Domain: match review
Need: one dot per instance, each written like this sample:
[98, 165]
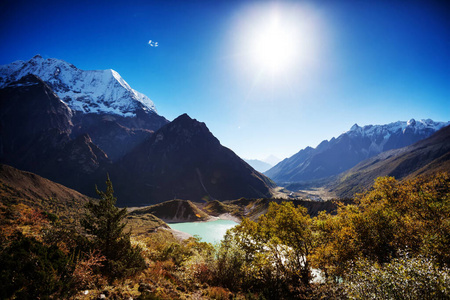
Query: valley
[91, 175]
[170, 255]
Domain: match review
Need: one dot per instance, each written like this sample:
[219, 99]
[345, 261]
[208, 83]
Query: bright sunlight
[278, 41]
[274, 49]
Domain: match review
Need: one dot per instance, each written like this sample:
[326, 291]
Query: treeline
[392, 243]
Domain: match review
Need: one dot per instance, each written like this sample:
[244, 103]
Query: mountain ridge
[427, 156]
[184, 160]
[339, 154]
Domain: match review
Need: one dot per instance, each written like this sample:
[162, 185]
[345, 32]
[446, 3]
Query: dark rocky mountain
[35, 130]
[30, 115]
[424, 157]
[333, 157]
[115, 135]
[68, 124]
[183, 160]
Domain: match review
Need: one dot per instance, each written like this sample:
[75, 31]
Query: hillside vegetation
[253, 208]
[32, 191]
[392, 241]
[173, 211]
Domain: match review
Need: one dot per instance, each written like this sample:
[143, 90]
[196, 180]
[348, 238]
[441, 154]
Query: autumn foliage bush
[412, 216]
[32, 270]
[84, 275]
[402, 278]
[270, 256]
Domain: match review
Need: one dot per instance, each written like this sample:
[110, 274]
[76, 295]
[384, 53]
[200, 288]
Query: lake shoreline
[180, 235]
[225, 216]
[211, 231]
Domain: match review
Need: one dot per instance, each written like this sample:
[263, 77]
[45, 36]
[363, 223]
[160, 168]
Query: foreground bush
[402, 278]
[32, 270]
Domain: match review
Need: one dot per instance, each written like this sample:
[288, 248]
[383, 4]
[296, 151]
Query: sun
[277, 43]
[274, 48]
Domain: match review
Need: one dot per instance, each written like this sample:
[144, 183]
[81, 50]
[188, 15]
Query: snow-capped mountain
[424, 158]
[359, 143]
[100, 103]
[401, 132]
[98, 91]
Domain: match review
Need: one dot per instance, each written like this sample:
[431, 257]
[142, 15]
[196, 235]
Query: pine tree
[104, 223]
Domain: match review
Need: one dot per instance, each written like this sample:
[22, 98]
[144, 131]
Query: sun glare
[274, 48]
[278, 41]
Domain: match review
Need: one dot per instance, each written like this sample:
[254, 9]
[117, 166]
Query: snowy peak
[411, 122]
[396, 127]
[355, 127]
[97, 91]
[398, 134]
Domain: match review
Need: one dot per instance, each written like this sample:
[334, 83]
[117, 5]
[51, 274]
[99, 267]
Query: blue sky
[365, 62]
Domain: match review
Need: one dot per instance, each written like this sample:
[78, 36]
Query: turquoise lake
[211, 232]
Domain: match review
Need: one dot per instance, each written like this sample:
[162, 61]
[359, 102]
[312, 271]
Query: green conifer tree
[104, 223]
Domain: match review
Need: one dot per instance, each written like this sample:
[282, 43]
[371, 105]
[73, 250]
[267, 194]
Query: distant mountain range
[333, 157]
[74, 126]
[262, 165]
[424, 157]
[259, 165]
